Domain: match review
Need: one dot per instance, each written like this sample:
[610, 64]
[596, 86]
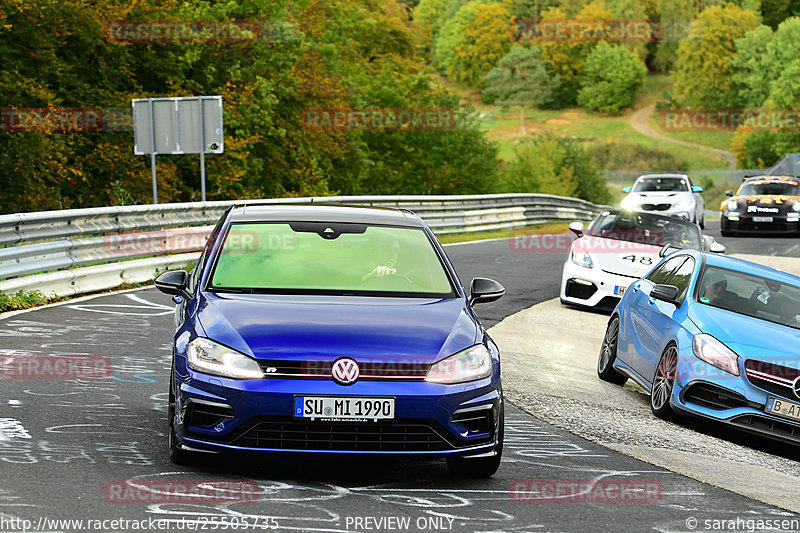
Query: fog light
[733, 218]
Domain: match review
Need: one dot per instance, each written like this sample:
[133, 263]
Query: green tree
[473, 41]
[704, 68]
[520, 78]
[554, 165]
[611, 77]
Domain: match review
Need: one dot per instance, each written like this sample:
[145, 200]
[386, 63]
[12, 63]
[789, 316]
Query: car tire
[608, 354]
[664, 383]
[483, 466]
[177, 455]
[725, 233]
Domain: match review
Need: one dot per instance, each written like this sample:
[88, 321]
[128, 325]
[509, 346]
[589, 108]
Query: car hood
[609, 254]
[327, 327]
[747, 336]
[768, 204]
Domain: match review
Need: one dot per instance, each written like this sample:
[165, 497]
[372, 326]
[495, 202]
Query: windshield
[329, 258]
[661, 185]
[776, 187]
[750, 295]
[645, 228]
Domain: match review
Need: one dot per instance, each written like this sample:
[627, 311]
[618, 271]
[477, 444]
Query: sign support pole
[202, 152]
[153, 153]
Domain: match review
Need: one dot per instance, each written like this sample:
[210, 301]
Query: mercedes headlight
[732, 205]
[580, 257]
[207, 356]
[715, 353]
[466, 365]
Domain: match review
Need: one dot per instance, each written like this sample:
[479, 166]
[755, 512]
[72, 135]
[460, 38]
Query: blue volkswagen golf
[332, 330]
[713, 337]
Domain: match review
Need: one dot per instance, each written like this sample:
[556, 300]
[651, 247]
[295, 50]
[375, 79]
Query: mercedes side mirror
[665, 293]
[729, 192]
[485, 290]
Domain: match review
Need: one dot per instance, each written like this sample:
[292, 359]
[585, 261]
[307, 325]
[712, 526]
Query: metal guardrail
[40, 251]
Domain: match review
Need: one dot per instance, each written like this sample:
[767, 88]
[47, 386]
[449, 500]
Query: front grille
[655, 207]
[397, 435]
[580, 291]
[371, 370]
[774, 428]
[777, 379]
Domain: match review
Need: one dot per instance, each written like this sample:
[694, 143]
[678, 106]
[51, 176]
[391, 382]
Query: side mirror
[173, 282]
[576, 228]
[665, 293]
[484, 290]
[695, 188]
[626, 189]
[729, 192]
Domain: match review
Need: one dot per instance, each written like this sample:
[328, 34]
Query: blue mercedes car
[332, 330]
[714, 337]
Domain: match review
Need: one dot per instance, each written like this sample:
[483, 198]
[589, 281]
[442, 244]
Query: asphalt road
[66, 444]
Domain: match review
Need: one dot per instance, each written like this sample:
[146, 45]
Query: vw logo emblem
[345, 371]
[796, 387]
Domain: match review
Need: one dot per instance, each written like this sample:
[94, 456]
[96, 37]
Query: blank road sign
[178, 126]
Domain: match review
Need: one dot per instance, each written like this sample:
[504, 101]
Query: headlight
[732, 205]
[467, 365]
[629, 202]
[796, 206]
[715, 353]
[580, 257]
[207, 356]
[684, 205]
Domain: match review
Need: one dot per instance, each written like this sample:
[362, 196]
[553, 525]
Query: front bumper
[704, 391]
[746, 224]
[431, 420]
[685, 214]
[592, 287]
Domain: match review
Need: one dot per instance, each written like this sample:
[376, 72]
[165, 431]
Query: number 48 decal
[645, 260]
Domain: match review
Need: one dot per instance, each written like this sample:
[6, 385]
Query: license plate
[619, 290]
[783, 408]
[762, 219]
[344, 407]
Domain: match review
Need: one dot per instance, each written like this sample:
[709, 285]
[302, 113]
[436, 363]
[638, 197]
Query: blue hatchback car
[332, 330]
[713, 337]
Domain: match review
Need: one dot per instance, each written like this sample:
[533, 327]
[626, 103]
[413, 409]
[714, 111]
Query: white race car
[618, 248]
[666, 194]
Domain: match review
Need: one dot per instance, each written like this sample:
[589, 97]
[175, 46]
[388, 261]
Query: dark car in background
[762, 204]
